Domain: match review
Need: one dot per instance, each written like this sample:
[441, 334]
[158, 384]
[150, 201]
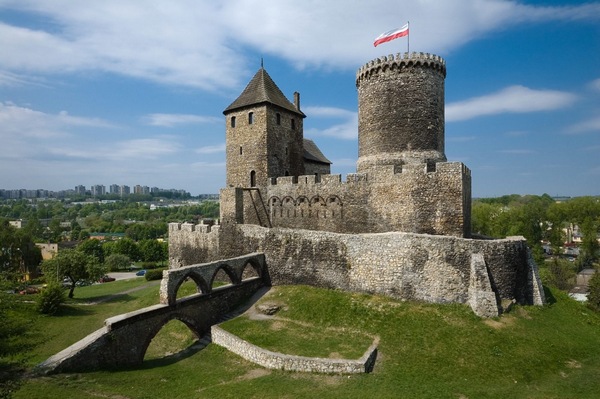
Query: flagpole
[408, 37]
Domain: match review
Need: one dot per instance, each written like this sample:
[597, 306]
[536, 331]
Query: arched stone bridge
[124, 339]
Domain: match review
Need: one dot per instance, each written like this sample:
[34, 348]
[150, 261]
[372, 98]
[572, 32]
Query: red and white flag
[391, 35]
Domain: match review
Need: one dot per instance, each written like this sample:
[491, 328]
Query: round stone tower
[401, 111]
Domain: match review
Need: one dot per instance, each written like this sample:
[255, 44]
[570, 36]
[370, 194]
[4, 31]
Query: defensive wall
[420, 267]
[423, 198]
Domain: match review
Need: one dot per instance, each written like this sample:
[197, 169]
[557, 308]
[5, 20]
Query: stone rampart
[419, 198]
[280, 361]
[409, 266]
[189, 242]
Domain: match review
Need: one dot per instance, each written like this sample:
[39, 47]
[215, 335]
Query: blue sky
[131, 92]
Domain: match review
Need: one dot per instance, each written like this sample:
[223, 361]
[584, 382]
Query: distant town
[99, 191]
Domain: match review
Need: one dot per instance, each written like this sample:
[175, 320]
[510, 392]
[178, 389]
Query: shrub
[50, 299]
[149, 265]
[594, 292]
[155, 274]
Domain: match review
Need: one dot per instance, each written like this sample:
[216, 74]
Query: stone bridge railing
[204, 274]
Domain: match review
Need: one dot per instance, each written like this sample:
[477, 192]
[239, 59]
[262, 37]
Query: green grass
[425, 351]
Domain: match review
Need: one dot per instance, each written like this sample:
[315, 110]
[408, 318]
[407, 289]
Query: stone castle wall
[418, 198]
[401, 265]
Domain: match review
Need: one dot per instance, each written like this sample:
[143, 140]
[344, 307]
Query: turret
[401, 111]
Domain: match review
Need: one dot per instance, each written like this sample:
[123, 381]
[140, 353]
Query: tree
[127, 246]
[92, 247]
[73, 265]
[18, 253]
[153, 250]
[594, 292]
[116, 262]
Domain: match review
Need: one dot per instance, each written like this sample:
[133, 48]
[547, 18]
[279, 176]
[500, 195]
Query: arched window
[253, 179]
[250, 118]
[293, 124]
[278, 117]
[233, 121]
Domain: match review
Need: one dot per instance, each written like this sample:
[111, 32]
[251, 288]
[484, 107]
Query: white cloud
[170, 120]
[198, 43]
[347, 129]
[513, 99]
[590, 125]
[518, 152]
[595, 85]
[211, 149]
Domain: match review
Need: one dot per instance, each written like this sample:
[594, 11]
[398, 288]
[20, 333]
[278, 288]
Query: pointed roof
[312, 152]
[262, 89]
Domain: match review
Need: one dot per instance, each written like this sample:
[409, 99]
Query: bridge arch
[235, 280]
[153, 331]
[201, 286]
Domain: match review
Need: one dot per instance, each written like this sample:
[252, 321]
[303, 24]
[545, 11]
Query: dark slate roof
[312, 152]
[262, 89]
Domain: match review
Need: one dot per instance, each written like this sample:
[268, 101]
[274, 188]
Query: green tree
[594, 292]
[153, 250]
[127, 246]
[73, 265]
[92, 247]
[18, 253]
[116, 262]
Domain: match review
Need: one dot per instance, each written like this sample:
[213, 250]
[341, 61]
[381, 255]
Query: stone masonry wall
[416, 198]
[400, 265]
[280, 361]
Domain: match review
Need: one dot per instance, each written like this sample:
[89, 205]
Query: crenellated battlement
[400, 61]
[191, 227]
[312, 180]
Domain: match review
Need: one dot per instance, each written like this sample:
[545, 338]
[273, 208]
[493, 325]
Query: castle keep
[400, 226]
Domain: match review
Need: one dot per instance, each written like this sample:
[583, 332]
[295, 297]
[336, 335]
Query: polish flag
[391, 35]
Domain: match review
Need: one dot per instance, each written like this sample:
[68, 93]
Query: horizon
[123, 91]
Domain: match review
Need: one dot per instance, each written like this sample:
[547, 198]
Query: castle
[400, 226]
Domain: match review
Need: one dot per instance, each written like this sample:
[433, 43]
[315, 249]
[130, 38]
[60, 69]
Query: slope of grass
[425, 351]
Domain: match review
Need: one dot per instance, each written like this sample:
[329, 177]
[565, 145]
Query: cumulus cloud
[171, 120]
[513, 99]
[198, 43]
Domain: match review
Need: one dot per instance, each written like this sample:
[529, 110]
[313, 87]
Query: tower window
[233, 121]
[293, 124]
[241, 150]
[250, 118]
[253, 179]
[278, 117]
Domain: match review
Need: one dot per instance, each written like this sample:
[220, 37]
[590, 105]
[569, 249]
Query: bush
[594, 292]
[149, 265]
[50, 299]
[155, 274]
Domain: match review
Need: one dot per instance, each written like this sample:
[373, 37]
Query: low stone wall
[280, 361]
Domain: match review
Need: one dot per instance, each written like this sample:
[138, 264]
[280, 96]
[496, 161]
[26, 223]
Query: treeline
[540, 218]
[56, 221]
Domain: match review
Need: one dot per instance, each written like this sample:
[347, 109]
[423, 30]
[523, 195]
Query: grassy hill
[425, 350]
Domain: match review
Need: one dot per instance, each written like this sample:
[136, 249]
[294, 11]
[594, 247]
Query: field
[425, 350]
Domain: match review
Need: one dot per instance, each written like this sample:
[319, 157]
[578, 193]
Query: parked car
[106, 279]
[141, 273]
